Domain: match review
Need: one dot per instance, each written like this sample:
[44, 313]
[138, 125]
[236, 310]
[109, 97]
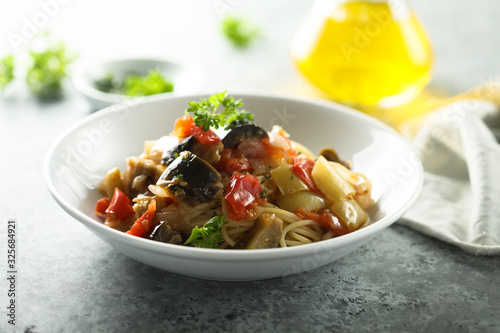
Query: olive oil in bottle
[364, 52]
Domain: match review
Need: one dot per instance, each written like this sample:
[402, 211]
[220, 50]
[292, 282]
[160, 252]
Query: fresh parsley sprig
[205, 112]
[210, 235]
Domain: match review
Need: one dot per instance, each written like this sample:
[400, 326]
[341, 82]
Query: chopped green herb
[180, 176]
[262, 181]
[176, 155]
[268, 175]
[263, 194]
[205, 112]
[239, 31]
[270, 167]
[154, 82]
[210, 235]
[291, 178]
[106, 84]
[6, 71]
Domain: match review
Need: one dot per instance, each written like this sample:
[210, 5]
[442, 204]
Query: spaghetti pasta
[243, 189]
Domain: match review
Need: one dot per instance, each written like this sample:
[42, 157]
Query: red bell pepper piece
[143, 224]
[101, 207]
[120, 206]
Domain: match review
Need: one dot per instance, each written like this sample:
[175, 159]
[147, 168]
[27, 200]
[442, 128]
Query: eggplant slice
[209, 153]
[191, 180]
[164, 233]
[170, 155]
[241, 133]
[264, 234]
[331, 155]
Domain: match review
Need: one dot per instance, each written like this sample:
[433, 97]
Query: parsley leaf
[239, 31]
[205, 112]
[6, 71]
[210, 235]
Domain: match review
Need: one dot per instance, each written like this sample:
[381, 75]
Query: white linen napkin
[460, 199]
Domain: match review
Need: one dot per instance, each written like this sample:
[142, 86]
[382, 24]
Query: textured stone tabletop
[71, 281]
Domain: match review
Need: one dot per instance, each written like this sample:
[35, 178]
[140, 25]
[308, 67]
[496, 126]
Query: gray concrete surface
[71, 281]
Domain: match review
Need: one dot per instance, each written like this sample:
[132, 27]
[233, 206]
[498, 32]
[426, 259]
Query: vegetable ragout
[219, 180]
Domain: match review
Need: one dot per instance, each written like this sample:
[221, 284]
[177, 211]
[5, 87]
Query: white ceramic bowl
[188, 78]
[79, 159]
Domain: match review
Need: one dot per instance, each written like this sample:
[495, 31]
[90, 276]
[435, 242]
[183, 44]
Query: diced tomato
[327, 219]
[120, 206]
[302, 167]
[242, 194]
[143, 224]
[276, 154]
[182, 126]
[281, 141]
[292, 152]
[185, 126]
[305, 215]
[330, 220]
[204, 137]
[101, 207]
[252, 148]
[232, 160]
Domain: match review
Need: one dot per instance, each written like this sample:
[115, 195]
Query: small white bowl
[79, 159]
[188, 78]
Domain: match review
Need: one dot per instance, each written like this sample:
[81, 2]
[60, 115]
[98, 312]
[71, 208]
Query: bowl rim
[84, 87]
[231, 254]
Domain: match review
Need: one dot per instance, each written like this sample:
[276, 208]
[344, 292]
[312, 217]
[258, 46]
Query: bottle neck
[399, 9]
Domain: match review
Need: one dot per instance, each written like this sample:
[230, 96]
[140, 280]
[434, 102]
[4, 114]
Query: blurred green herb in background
[6, 71]
[240, 31]
[108, 84]
[135, 85]
[48, 69]
[153, 83]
